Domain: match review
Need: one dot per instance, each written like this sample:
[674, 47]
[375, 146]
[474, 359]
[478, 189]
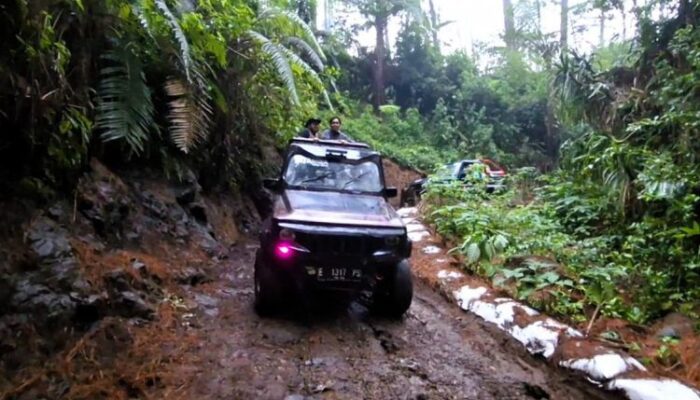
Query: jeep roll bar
[330, 142]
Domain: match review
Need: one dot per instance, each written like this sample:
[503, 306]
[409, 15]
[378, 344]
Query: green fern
[296, 60]
[270, 23]
[185, 55]
[273, 13]
[189, 111]
[307, 50]
[278, 55]
[143, 21]
[125, 109]
[328, 100]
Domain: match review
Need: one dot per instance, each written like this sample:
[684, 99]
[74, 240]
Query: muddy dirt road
[435, 352]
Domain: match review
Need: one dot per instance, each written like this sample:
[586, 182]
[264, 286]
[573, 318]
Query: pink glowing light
[283, 250]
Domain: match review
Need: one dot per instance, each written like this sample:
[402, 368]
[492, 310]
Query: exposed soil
[343, 353]
[144, 290]
[399, 177]
[209, 344]
[93, 290]
[678, 358]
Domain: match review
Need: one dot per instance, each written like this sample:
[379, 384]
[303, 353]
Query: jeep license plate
[336, 274]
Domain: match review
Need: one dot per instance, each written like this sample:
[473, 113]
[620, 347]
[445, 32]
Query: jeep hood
[335, 208]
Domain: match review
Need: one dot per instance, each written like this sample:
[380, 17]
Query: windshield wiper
[316, 178]
[353, 180]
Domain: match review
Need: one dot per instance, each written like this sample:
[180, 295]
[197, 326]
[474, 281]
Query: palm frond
[335, 88]
[294, 19]
[414, 9]
[328, 100]
[278, 56]
[189, 115]
[125, 109]
[296, 60]
[185, 55]
[307, 50]
[140, 14]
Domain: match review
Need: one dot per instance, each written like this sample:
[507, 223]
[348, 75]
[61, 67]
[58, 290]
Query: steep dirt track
[159, 305]
[435, 352]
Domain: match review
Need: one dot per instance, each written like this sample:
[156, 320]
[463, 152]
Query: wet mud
[149, 290]
[342, 352]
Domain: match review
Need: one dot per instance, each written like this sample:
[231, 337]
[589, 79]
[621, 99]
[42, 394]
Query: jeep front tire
[394, 294]
[267, 291]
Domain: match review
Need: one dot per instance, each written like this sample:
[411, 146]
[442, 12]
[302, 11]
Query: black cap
[312, 121]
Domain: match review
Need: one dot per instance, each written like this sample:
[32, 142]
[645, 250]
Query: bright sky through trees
[481, 21]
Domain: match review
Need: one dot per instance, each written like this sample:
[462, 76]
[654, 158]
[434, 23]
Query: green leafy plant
[125, 111]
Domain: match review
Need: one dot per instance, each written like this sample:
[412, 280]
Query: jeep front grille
[339, 245]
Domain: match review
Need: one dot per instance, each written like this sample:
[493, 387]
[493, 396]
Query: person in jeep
[334, 133]
[332, 231]
[311, 128]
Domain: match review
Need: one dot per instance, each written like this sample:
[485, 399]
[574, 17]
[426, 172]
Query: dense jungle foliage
[168, 83]
[616, 224]
[615, 218]
[609, 140]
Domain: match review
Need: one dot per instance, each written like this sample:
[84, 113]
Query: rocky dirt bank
[92, 287]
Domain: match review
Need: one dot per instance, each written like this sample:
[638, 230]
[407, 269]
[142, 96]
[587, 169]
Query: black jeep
[332, 230]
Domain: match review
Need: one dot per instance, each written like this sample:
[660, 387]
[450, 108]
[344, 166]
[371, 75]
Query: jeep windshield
[309, 173]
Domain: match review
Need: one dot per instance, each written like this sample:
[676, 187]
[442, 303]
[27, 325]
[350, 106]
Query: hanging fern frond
[328, 100]
[307, 50]
[125, 109]
[291, 17]
[143, 20]
[296, 60]
[189, 115]
[278, 56]
[335, 88]
[185, 55]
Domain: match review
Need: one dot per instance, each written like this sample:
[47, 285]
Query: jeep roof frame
[310, 148]
[329, 142]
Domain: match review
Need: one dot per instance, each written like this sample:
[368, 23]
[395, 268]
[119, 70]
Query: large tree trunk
[564, 30]
[601, 32]
[434, 22]
[685, 12]
[637, 15]
[552, 126]
[623, 13]
[380, 51]
[509, 24]
[538, 4]
[328, 14]
[387, 43]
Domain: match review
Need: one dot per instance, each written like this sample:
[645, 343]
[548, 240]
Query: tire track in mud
[434, 352]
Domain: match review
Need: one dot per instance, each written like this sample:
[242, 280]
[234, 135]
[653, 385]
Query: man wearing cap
[311, 128]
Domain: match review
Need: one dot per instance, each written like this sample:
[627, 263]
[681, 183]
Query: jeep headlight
[392, 241]
[286, 234]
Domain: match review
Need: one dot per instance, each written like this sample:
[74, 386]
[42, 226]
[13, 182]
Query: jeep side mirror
[271, 184]
[391, 192]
